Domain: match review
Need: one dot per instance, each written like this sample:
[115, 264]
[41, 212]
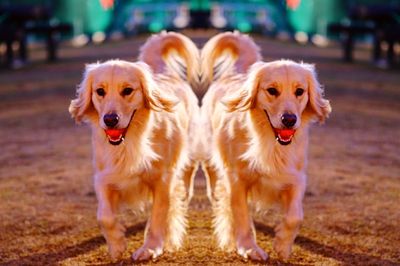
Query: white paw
[144, 253]
[255, 254]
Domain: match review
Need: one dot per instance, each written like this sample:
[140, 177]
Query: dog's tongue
[115, 134]
[285, 134]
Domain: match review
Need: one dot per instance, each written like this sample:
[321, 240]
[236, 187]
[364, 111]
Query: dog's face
[112, 93]
[287, 93]
[283, 94]
[116, 95]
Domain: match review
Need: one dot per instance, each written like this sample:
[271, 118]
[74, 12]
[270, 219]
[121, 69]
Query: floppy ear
[317, 106]
[155, 98]
[244, 98]
[82, 107]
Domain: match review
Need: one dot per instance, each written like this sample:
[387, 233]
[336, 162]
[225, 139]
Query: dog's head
[113, 93]
[288, 94]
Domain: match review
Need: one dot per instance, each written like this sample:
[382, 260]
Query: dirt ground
[48, 206]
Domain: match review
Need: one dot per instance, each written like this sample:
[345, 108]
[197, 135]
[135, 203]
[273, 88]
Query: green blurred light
[156, 26]
[244, 26]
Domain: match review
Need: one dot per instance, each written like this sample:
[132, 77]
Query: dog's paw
[117, 248]
[115, 241]
[144, 253]
[282, 247]
[283, 242]
[254, 253]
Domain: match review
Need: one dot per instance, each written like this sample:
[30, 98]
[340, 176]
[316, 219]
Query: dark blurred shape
[380, 20]
[20, 20]
[200, 12]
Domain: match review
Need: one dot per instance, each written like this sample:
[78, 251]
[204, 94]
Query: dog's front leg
[114, 232]
[157, 225]
[292, 202]
[243, 225]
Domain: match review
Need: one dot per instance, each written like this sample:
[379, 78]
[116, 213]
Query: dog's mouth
[116, 136]
[283, 135]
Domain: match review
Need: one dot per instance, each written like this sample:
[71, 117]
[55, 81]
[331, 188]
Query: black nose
[111, 120]
[289, 120]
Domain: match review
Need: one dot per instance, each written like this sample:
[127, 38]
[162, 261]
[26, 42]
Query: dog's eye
[299, 92]
[272, 91]
[126, 91]
[101, 92]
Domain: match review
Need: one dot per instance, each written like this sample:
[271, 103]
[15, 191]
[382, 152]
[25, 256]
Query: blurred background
[371, 24]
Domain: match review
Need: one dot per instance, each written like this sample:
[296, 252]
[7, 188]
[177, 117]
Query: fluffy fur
[154, 163]
[245, 165]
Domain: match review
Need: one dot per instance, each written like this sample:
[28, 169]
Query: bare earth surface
[48, 206]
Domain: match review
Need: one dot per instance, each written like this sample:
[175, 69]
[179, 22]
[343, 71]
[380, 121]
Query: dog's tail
[174, 53]
[227, 53]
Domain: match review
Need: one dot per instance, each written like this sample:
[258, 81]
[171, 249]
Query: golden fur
[244, 163]
[155, 161]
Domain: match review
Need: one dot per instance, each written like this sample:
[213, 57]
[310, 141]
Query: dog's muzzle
[283, 136]
[115, 135]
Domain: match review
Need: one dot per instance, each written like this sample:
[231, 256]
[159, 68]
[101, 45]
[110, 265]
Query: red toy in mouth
[284, 136]
[115, 135]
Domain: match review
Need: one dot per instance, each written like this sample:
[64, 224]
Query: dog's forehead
[283, 74]
[111, 73]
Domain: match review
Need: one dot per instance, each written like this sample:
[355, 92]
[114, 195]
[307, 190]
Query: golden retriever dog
[141, 115]
[256, 116]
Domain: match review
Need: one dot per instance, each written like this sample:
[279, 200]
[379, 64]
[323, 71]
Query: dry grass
[47, 204]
